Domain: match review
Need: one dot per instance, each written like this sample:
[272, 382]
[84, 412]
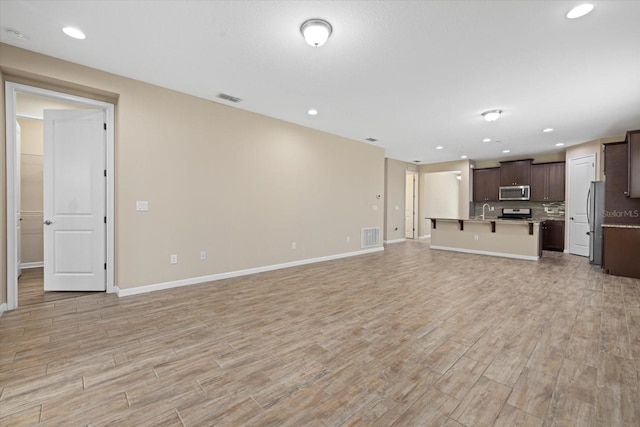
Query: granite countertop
[620, 226]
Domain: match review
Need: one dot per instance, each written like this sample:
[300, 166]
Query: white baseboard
[499, 254]
[220, 276]
[3, 307]
[386, 242]
[27, 265]
[426, 236]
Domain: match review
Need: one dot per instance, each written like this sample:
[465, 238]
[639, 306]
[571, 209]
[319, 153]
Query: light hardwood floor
[406, 337]
[31, 289]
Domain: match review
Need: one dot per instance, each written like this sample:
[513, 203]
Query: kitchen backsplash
[538, 209]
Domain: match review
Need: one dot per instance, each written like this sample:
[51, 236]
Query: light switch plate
[142, 205]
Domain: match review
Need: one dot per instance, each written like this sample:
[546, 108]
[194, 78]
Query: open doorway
[26, 181]
[411, 205]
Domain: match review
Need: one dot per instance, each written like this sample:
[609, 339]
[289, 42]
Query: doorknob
[571, 218]
[47, 222]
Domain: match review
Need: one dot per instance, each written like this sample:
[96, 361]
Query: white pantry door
[581, 172]
[74, 200]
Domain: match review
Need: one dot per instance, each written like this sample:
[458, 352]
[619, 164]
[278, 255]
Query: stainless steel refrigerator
[595, 216]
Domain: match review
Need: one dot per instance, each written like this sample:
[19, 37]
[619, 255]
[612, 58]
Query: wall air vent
[371, 139]
[370, 237]
[228, 97]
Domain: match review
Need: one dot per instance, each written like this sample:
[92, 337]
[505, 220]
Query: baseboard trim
[498, 254]
[3, 307]
[220, 276]
[426, 236]
[387, 242]
[27, 265]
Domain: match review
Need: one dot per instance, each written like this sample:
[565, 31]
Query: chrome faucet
[483, 206]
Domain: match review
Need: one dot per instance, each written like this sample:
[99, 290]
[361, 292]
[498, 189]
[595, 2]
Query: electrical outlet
[476, 237]
[142, 205]
[173, 258]
[203, 255]
[293, 245]
[491, 208]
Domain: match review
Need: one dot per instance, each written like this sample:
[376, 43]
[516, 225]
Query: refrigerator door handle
[589, 206]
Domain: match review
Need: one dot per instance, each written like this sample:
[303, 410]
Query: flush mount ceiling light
[547, 130]
[463, 157]
[560, 144]
[74, 33]
[486, 140]
[312, 112]
[492, 115]
[506, 151]
[316, 32]
[580, 11]
[439, 147]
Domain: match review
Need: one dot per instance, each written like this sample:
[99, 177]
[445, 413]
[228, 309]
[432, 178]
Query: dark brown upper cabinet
[486, 183]
[516, 172]
[633, 148]
[548, 182]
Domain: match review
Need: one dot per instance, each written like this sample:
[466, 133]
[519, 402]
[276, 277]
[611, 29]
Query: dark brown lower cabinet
[621, 251]
[553, 235]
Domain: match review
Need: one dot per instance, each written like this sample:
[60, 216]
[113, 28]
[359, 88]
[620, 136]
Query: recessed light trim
[312, 112]
[74, 33]
[492, 115]
[580, 11]
[486, 140]
[439, 147]
[560, 144]
[506, 151]
[463, 157]
[547, 130]
[16, 34]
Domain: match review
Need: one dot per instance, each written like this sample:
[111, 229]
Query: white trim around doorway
[11, 91]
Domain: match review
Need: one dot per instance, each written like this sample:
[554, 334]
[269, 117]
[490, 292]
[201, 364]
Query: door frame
[414, 175]
[11, 91]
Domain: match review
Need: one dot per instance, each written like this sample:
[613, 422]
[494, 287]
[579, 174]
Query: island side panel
[510, 240]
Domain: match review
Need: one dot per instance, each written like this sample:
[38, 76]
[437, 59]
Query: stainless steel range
[515, 213]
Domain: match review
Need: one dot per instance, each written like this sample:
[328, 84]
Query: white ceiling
[412, 74]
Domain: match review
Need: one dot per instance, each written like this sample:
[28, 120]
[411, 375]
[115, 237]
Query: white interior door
[581, 172]
[409, 210]
[74, 200]
[18, 201]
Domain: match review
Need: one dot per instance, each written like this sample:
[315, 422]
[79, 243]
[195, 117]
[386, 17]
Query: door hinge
[105, 126]
[105, 265]
[105, 172]
[105, 219]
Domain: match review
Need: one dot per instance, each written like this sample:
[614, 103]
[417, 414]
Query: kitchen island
[498, 237]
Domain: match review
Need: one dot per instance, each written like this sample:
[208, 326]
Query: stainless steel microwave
[519, 192]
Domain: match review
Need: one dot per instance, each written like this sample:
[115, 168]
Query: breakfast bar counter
[497, 237]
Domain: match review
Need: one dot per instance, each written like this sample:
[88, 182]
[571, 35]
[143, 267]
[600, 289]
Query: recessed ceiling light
[580, 11]
[506, 151]
[492, 115]
[312, 112]
[74, 32]
[486, 140]
[545, 130]
[559, 144]
[463, 157]
[17, 34]
[439, 147]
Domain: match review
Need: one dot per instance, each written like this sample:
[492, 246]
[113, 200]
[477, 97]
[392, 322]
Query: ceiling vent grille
[371, 139]
[370, 237]
[228, 97]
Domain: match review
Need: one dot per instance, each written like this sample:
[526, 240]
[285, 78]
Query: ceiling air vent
[371, 139]
[228, 97]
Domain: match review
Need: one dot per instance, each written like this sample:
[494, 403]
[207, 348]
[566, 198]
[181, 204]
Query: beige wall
[395, 198]
[238, 185]
[464, 196]
[31, 189]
